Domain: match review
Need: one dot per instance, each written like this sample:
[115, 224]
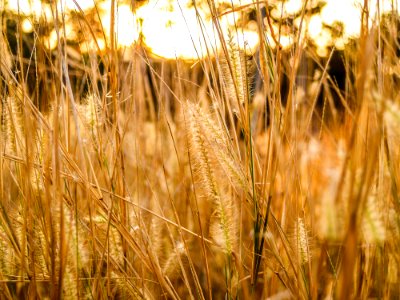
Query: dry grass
[144, 178]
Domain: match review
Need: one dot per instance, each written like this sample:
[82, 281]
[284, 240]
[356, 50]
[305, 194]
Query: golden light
[126, 27]
[69, 34]
[322, 37]
[293, 6]
[287, 8]
[51, 41]
[389, 6]
[229, 19]
[249, 39]
[173, 30]
[30, 8]
[27, 26]
[25, 7]
[285, 39]
[348, 12]
[92, 46]
[246, 38]
[344, 11]
[322, 42]
[315, 26]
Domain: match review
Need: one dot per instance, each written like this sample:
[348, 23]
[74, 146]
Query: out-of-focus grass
[123, 176]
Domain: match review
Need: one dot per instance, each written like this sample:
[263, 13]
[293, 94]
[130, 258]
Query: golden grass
[144, 178]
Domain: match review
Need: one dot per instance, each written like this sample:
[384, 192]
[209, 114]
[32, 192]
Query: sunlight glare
[248, 40]
[27, 26]
[315, 26]
[287, 8]
[293, 6]
[52, 40]
[346, 12]
[126, 25]
[172, 33]
[25, 7]
[175, 29]
[322, 42]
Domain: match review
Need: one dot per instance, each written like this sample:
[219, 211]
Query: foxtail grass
[235, 176]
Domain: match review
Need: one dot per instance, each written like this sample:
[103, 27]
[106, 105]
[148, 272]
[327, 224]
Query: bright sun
[177, 29]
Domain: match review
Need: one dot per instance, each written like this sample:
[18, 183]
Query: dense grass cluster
[125, 176]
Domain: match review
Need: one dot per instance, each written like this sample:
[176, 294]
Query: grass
[144, 178]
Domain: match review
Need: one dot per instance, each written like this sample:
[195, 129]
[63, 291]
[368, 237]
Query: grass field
[233, 176]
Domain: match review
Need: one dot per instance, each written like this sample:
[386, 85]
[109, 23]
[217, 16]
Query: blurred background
[161, 31]
[177, 28]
